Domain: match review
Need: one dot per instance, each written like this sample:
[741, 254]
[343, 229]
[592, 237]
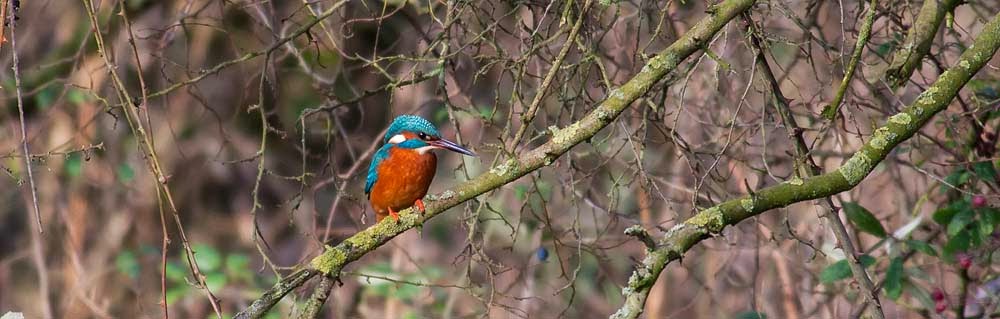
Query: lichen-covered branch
[918, 40]
[333, 260]
[807, 168]
[897, 129]
[314, 307]
[271, 297]
[830, 111]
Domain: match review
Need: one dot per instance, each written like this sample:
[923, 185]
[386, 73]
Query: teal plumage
[380, 156]
[402, 169]
[408, 123]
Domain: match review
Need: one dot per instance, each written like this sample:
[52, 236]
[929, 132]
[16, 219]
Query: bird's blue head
[414, 132]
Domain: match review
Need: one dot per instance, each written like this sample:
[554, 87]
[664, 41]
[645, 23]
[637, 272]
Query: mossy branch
[897, 129]
[918, 40]
[830, 111]
[806, 167]
[335, 258]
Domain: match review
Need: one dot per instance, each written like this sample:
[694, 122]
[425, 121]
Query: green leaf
[73, 166]
[985, 230]
[215, 281]
[125, 173]
[842, 270]
[835, 271]
[894, 278]
[407, 292]
[863, 219]
[76, 96]
[127, 264]
[943, 216]
[175, 272]
[985, 171]
[922, 247]
[521, 192]
[238, 266]
[920, 294]
[207, 257]
[47, 96]
[990, 215]
[175, 293]
[955, 179]
[751, 315]
[959, 243]
[958, 223]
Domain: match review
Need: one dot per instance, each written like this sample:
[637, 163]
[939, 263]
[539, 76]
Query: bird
[402, 169]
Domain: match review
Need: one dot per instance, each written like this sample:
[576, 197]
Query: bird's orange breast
[403, 177]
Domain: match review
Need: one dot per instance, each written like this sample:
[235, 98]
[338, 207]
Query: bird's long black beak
[451, 146]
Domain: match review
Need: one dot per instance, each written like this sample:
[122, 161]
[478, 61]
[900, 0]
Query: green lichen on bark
[326, 262]
[710, 219]
[897, 129]
[918, 40]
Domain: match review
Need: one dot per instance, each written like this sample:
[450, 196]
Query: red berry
[937, 295]
[978, 201]
[964, 260]
[940, 306]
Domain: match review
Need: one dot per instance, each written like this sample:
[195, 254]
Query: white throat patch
[425, 149]
[396, 139]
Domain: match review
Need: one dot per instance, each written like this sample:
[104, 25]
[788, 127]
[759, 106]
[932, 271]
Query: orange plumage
[402, 170]
[404, 177]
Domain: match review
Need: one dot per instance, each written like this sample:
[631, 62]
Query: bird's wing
[380, 156]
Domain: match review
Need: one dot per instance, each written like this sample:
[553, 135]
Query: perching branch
[897, 129]
[335, 258]
[918, 40]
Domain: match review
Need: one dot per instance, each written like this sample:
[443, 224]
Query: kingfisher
[404, 166]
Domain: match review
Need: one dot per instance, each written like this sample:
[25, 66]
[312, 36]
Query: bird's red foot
[395, 216]
[420, 206]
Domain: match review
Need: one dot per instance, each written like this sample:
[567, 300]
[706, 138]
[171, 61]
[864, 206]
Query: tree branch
[271, 297]
[918, 40]
[830, 111]
[897, 129]
[335, 258]
[807, 168]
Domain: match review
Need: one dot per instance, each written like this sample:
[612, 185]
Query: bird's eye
[422, 136]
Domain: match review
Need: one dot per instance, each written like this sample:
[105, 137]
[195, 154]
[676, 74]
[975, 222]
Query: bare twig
[529, 115]
[898, 128]
[334, 259]
[808, 168]
[20, 113]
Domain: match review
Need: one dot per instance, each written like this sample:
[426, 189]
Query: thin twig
[20, 112]
[830, 111]
[529, 115]
[808, 168]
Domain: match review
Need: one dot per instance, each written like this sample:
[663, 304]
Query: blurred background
[257, 120]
